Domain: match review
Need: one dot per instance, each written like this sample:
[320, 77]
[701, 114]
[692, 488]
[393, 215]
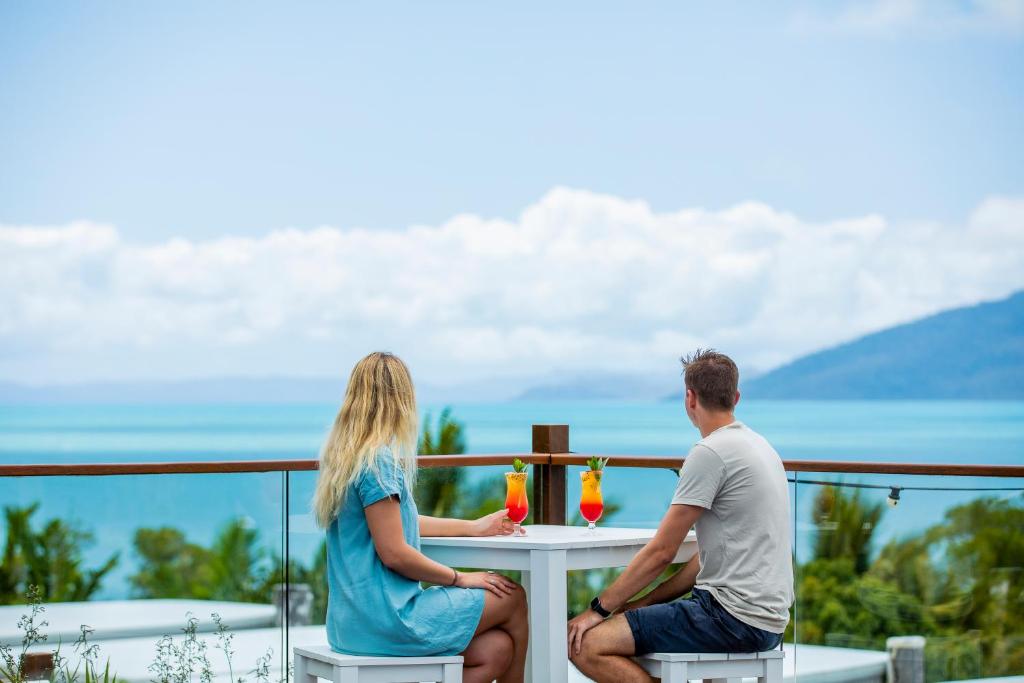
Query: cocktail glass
[591, 502]
[516, 502]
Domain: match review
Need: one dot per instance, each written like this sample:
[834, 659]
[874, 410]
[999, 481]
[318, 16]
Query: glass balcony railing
[927, 570]
[931, 589]
[134, 557]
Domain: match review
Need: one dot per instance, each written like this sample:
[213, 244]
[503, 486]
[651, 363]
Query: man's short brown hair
[713, 377]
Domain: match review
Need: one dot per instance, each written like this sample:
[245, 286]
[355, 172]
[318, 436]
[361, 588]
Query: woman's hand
[494, 524]
[496, 583]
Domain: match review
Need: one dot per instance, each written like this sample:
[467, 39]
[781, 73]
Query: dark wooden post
[548, 479]
[37, 666]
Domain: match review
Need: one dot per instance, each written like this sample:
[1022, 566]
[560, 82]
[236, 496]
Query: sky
[496, 191]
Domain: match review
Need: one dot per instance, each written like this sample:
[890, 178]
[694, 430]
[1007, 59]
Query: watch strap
[596, 605]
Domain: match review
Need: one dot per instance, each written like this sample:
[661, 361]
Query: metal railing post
[549, 480]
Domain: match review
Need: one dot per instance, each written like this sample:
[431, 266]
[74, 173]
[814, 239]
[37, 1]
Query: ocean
[112, 508]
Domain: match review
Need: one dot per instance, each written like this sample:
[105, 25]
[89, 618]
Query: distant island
[599, 386]
[975, 352]
[233, 390]
[208, 390]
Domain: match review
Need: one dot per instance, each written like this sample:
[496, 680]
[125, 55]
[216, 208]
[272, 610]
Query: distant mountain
[971, 353]
[231, 390]
[212, 390]
[597, 386]
[975, 352]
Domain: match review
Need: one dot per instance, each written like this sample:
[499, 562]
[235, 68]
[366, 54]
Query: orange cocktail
[591, 502]
[516, 502]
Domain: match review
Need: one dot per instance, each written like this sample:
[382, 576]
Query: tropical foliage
[235, 567]
[314, 576]
[960, 584]
[438, 489]
[49, 558]
[845, 524]
[445, 491]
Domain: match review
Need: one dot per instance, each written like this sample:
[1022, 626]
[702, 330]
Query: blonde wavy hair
[379, 411]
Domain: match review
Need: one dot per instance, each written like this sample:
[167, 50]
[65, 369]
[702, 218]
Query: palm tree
[235, 567]
[50, 559]
[437, 488]
[845, 524]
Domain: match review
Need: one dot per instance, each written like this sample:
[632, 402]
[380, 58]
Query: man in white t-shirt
[733, 487]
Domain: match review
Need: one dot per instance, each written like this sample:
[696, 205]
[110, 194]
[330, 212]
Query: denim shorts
[695, 624]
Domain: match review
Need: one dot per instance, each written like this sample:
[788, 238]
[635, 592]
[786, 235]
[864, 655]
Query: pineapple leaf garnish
[518, 465]
[597, 464]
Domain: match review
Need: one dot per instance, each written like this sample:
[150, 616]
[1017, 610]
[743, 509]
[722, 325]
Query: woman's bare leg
[509, 614]
[487, 657]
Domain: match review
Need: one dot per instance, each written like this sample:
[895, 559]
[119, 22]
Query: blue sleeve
[386, 481]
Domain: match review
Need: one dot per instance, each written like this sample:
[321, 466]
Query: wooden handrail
[474, 460]
[551, 456]
[128, 468]
[242, 466]
[850, 467]
[672, 462]
[470, 460]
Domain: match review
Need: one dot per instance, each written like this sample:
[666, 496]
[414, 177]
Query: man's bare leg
[605, 654]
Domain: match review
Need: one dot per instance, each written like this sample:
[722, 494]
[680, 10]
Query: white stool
[316, 662]
[679, 667]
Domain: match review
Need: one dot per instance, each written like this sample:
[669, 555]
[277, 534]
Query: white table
[545, 555]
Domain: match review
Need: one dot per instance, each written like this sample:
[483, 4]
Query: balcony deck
[127, 630]
[133, 656]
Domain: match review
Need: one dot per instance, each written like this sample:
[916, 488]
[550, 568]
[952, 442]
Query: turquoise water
[913, 431]
[113, 507]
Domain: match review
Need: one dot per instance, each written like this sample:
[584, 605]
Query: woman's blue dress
[372, 610]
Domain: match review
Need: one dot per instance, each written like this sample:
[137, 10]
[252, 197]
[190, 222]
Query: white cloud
[579, 281]
[925, 17]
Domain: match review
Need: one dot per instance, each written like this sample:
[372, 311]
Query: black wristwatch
[595, 605]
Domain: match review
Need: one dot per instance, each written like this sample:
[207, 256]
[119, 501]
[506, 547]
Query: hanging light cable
[893, 499]
[894, 496]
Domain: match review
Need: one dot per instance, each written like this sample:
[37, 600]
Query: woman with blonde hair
[376, 605]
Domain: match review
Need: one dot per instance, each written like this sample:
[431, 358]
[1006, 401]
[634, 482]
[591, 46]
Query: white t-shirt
[744, 536]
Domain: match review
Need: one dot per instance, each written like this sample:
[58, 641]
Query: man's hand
[580, 625]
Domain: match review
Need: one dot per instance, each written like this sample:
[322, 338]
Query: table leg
[529, 602]
[549, 661]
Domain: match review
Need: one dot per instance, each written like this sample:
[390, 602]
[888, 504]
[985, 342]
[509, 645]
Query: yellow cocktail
[516, 502]
[591, 502]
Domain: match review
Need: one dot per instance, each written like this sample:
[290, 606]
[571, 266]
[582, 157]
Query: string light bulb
[894, 496]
